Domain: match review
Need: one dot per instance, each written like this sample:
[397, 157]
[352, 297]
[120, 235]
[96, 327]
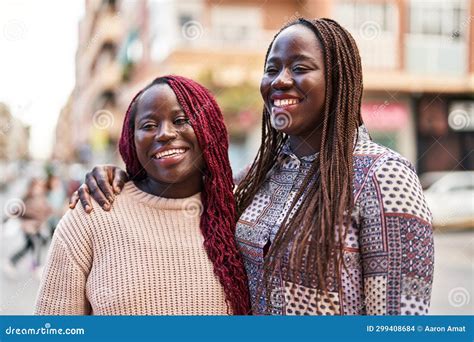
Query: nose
[166, 132]
[283, 80]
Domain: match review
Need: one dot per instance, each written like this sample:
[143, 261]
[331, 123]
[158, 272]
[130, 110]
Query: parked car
[451, 200]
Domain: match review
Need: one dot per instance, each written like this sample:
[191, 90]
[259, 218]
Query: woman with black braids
[328, 222]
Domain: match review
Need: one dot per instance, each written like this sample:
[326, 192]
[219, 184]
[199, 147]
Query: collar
[362, 135]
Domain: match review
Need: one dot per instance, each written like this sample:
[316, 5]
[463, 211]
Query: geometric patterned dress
[388, 250]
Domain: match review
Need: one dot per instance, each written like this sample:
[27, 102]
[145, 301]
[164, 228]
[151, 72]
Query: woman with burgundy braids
[167, 246]
[328, 222]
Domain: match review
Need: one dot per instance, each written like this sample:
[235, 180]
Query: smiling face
[166, 144]
[293, 86]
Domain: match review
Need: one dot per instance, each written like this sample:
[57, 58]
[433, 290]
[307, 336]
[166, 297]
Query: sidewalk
[452, 289]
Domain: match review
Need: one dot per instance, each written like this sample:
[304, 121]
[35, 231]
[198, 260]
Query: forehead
[156, 97]
[296, 40]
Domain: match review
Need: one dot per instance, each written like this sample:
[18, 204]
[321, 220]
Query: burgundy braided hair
[217, 221]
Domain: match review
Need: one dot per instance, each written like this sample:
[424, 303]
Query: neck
[305, 145]
[170, 190]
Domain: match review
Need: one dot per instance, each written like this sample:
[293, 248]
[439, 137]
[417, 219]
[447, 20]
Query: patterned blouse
[388, 250]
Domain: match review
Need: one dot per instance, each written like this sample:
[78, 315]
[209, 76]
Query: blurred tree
[241, 104]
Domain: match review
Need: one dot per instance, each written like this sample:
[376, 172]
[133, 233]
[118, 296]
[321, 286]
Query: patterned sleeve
[396, 240]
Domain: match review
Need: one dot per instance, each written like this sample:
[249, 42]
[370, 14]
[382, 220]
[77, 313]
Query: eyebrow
[151, 114]
[297, 57]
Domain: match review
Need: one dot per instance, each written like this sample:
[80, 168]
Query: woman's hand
[102, 183]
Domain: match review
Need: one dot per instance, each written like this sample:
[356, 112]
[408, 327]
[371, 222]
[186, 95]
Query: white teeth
[285, 102]
[170, 153]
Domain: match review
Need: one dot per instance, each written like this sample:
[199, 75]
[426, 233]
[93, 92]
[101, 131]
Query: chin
[287, 130]
[167, 179]
[290, 130]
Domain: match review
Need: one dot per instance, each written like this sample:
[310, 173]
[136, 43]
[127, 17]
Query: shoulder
[368, 155]
[389, 181]
[370, 158]
[75, 228]
[78, 224]
[400, 189]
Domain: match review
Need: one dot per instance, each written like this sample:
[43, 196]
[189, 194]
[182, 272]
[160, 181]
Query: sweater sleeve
[396, 243]
[63, 284]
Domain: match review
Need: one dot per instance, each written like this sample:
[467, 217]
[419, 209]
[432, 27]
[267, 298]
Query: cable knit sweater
[143, 257]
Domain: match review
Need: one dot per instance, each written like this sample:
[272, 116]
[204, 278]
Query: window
[231, 24]
[184, 18]
[375, 29]
[163, 32]
[354, 15]
[436, 43]
[439, 18]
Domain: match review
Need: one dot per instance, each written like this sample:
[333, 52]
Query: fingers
[119, 180]
[96, 192]
[85, 198]
[100, 174]
[73, 200]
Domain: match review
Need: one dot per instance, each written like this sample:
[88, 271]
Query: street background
[69, 70]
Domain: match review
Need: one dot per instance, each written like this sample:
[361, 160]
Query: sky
[38, 41]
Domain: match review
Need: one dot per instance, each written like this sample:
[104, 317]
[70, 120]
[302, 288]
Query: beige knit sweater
[143, 257]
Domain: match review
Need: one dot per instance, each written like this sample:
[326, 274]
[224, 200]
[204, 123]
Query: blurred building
[87, 127]
[64, 148]
[125, 44]
[14, 137]
[417, 58]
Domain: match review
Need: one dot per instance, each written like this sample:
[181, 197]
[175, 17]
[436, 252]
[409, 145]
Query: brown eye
[299, 68]
[148, 126]
[181, 121]
[271, 70]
